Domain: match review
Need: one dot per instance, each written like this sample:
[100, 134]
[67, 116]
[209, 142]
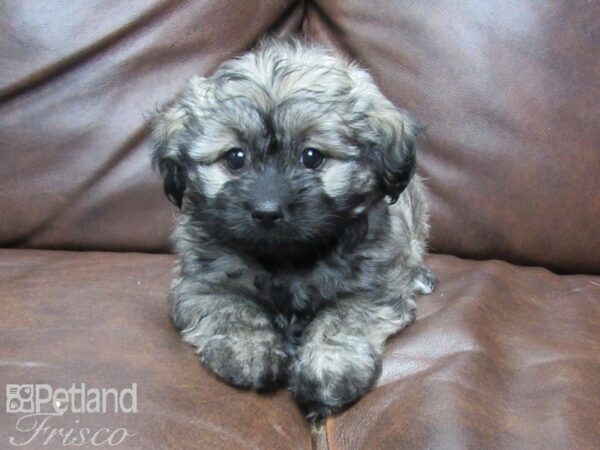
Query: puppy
[302, 228]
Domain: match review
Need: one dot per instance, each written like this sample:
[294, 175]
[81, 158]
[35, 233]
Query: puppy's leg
[233, 336]
[339, 359]
[424, 281]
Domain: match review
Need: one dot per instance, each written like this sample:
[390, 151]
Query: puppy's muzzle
[268, 205]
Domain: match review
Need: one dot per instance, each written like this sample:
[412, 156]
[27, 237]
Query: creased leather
[500, 356]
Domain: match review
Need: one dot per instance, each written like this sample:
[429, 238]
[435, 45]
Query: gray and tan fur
[295, 267]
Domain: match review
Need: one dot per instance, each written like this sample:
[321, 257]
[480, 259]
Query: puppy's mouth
[272, 236]
[278, 242]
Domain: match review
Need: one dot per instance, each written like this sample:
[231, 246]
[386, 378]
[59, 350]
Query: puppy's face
[280, 149]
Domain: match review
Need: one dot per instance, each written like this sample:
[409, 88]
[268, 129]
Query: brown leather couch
[505, 354]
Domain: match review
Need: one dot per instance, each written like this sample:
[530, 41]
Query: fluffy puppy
[302, 227]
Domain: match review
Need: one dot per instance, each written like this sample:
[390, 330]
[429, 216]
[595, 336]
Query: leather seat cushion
[500, 356]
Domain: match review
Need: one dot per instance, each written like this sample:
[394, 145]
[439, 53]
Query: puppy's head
[283, 147]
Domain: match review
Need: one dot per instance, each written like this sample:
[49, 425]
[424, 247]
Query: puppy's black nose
[267, 213]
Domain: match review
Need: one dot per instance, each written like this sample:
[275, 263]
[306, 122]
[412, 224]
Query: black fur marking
[173, 181]
[397, 162]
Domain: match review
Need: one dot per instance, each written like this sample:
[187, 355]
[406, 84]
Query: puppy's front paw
[255, 360]
[424, 281]
[325, 377]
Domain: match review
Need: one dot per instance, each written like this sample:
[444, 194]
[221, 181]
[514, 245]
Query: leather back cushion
[509, 91]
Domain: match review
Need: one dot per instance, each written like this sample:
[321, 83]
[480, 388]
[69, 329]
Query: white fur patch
[336, 176]
[212, 145]
[213, 177]
[421, 287]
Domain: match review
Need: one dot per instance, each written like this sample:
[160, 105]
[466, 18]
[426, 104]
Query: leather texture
[500, 357]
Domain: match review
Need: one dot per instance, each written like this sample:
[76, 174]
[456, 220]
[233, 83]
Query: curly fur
[311, 301]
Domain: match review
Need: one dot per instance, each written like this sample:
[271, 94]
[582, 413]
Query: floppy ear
[167, 128]
[388, 135]
[395, 154]
[170, 129]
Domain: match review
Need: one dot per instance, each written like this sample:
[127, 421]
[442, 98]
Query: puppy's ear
[171, 131]
[389, 135]
[396, 157]
[168, 127]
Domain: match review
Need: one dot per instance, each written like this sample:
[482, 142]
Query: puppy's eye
[235, 158]
[312, 158]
